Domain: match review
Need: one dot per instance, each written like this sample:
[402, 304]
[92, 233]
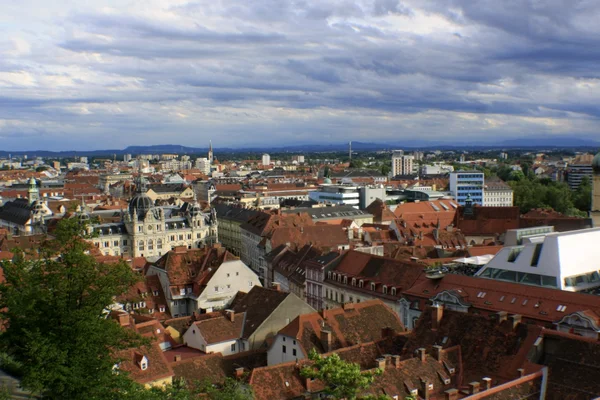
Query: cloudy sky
[112, 73]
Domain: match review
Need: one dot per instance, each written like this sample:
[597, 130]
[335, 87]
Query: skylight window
[501, 298]
[514, 299]
[561, 308]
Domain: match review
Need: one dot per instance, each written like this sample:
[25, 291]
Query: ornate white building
[146, 230]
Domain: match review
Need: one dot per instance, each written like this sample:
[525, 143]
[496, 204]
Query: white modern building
[464, 184]
[203, 164]
[336, 194]
[563, 260]
[402, 164]
[436, 169]
[266, 160]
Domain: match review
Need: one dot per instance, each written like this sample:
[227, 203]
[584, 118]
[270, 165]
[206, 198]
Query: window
[294, 352]
[385, 289]
[155, 292]
[283, 349]
[228, 286]
[141, 245]
[393, 291]
[233, 347]
[228, 275]
[250, 283]
[373, 286]
[216, 288]
[150, 245]
[159, 244]
[162, 308]
[237, 274]
[360, 283]
[353, 281]
[115, 243]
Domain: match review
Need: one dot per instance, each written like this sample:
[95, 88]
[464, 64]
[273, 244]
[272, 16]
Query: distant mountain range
[533, 142]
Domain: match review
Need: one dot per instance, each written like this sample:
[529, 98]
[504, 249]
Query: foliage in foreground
[343, 380]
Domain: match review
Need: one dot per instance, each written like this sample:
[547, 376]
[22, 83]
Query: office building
[266, 160]
[465, 184]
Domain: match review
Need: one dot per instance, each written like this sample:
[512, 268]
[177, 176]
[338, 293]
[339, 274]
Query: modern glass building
[467, 183]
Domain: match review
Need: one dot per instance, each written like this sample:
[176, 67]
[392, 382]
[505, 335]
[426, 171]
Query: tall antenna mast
[350, 150]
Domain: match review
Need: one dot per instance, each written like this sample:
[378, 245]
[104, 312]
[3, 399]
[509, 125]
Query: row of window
[339, 277]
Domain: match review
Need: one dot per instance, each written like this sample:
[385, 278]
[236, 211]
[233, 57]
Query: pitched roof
[220, 328]
[349, 325]
[192, 267]
[487, 348]
[532, 302]
[398, 273]
[574, 366]
[258, 305]
[264, 223]
[17, 211]
[215, 368]
[487, 220]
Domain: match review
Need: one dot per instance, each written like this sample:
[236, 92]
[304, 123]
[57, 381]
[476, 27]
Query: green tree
[54, 306]
[231, 389]
[583, 195]
[343, 380]
[385, 169]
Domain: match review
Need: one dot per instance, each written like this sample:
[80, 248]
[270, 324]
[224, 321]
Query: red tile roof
[349, 325]
[220, 328]
[537, 304]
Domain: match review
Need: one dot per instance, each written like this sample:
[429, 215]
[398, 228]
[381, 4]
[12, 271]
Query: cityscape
[352, 200]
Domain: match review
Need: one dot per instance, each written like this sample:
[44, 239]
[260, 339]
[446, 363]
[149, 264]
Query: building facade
[402, 164]
[497, 194]
[146, 230]
[465, 184]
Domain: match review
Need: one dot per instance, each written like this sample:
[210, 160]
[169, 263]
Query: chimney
[381, 363]
[521, 372]
[387, 332]
[230, 315]
[487, 383]
[473, 387]
[239, 372]
[123, 319]
[422, 354]
[515, 319]
[177, 358]
[437, 352]
[396, 361]
[308, 384]
[326, 340]
[451, 394]
[424, 389]
[437, 311]
[501, 316]
[276, 286]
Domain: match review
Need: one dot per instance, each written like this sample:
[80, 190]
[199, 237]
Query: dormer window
[155, 292]
[329, 274]
[144, 363]
[361, 283]
[161, 308]
[334, 276]
[353, 281]
[393, 291]
[373, 286]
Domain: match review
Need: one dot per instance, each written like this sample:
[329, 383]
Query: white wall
[230, 278]
[195, 340]
[275, 354]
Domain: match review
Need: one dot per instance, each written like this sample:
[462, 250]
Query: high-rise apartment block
[402, 164]
[266, 160]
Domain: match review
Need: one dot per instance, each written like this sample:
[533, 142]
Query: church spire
[210, 153]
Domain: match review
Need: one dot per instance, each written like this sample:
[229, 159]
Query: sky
[107, 74]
